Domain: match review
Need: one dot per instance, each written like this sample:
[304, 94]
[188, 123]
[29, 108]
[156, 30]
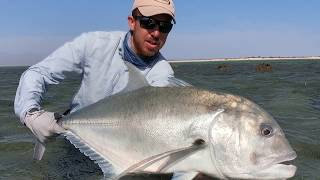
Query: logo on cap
[164, 1]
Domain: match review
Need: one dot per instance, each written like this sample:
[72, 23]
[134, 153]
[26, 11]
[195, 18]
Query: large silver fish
[181, 129]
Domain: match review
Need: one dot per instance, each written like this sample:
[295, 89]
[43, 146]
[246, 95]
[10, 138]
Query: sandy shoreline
[247, 59]
[222, 60]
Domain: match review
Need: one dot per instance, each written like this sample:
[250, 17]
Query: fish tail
[39, 149]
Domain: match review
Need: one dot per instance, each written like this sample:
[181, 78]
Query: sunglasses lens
[165, 27]
[149, 23]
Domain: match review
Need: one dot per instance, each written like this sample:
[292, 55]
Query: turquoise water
[290, 92]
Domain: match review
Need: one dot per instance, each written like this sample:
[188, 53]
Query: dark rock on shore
[264, 67]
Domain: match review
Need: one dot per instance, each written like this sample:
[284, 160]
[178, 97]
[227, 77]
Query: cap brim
[151, 11]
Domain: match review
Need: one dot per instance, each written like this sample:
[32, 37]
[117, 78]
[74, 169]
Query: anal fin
[106, 167]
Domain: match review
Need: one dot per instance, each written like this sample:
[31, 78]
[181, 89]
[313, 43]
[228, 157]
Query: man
[99, 57]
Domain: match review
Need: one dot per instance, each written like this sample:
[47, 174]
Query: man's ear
[131, 23]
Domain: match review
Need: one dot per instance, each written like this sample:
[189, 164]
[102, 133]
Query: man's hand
[43, 124]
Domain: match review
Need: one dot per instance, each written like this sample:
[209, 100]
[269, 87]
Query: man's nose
[155, 32]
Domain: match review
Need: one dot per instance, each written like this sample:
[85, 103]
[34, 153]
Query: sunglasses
[150, 23]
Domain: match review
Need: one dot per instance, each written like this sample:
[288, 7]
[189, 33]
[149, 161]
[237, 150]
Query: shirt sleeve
[34, 81]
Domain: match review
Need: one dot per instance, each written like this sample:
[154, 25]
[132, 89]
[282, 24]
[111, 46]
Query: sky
[32, 29]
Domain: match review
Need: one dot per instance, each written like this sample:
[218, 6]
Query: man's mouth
[153, 44]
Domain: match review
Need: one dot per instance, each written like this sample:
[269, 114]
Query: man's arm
[34, 81]
[33, 84]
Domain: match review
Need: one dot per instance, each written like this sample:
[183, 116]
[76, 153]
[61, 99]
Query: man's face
[147, 42]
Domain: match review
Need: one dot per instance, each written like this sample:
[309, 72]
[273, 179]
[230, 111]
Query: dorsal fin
[136, 79]
[176, 82]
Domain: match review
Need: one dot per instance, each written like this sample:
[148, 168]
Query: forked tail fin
[39, 149]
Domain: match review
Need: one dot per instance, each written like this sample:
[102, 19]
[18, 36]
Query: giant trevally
[181, 129]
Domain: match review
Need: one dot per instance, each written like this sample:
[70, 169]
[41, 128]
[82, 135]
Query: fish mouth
[287, 159]
[282, 168]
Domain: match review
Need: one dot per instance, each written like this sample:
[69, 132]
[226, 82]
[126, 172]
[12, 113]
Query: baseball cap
[154, 7]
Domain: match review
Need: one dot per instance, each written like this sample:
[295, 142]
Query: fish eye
[266, 130]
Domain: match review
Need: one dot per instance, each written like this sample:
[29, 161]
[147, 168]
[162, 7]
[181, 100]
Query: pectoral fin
[175, 156]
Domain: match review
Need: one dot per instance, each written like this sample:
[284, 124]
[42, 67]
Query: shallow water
[290, 92]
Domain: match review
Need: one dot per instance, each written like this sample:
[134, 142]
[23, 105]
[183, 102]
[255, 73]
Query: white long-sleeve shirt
[98, 57]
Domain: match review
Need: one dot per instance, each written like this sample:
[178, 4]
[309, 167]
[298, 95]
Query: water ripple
[316, 103]
[17, 138]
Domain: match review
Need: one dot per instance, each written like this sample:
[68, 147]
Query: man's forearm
[29, 93]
